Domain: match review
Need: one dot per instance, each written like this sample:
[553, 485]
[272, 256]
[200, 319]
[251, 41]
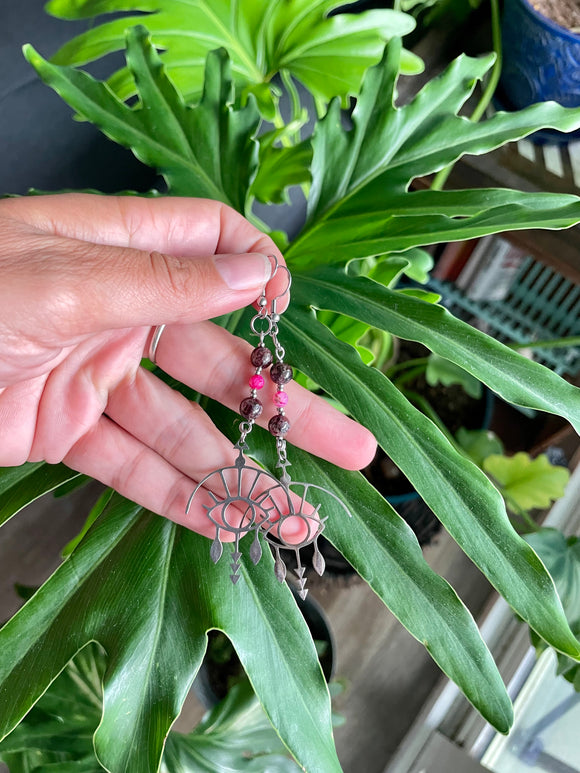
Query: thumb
[117, 287]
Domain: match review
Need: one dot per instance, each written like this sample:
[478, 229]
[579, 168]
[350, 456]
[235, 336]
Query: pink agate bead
[280, 398]
[257, 381]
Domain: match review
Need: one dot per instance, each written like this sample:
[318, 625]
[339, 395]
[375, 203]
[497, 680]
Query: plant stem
[296, 107]
[554, 343]
[520, 513]
[409, 375]
[407, 364]
[425, 407]
[441, 177]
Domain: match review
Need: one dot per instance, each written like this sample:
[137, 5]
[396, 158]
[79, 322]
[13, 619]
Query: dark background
[41, 146]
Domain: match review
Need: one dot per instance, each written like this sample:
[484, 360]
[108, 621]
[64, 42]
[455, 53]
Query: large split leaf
[147, 591]
[461, 496]
[508, 373]
[385, 552]
[328, 54]
[234, 735]
[207, 150]
[19, 486]
[359, 204]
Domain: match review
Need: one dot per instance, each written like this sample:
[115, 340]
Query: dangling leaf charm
[256, 549]
[318, 563]
[216, 549]
[279, 567]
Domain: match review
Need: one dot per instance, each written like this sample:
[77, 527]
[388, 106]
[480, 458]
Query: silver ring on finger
[157, 333]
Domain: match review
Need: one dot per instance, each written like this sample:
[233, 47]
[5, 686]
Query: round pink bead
[280, 398]
[257, 381]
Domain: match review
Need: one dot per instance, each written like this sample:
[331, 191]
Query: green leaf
[19, 486]
[527, 482]
[561, 557]
[148, 592]
[478, 444]
[349, 330]
[279, 168]
[420, 264]
[383, 549]
[328, 54]
[509, 374]
[96, 510]
[368, 168]
[234, 736]
[206, 151]
[461, 496]
[440, 370]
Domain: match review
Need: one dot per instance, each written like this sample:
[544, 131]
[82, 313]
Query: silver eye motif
[252, 500]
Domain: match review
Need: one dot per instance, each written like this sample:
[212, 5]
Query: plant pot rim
[552, 26]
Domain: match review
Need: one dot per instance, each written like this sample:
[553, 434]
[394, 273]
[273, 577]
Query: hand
[83, 281]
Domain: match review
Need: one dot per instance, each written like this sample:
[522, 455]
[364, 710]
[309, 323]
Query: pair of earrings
[265, 502]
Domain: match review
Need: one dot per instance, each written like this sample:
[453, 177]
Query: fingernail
[244, 272]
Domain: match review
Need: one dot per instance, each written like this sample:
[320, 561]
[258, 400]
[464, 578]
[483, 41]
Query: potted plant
[144, 588]
[234, 734]
[541, 55]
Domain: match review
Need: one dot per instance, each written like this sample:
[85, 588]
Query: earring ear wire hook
[277, 267]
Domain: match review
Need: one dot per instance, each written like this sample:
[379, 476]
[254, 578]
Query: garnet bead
[261, 357]
[250, 408]
[281, 373]
[278, 425]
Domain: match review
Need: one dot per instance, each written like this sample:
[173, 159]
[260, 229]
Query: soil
[566, 13]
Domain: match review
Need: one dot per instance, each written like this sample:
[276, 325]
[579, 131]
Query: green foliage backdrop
[145, 588]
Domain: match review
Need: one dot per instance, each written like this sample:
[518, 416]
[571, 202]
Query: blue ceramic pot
[541, 60]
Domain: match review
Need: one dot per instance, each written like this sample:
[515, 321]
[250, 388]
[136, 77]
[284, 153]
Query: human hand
[83, 281]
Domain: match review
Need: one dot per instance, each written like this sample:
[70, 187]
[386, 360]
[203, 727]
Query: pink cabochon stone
[280, 398]
[256, 381]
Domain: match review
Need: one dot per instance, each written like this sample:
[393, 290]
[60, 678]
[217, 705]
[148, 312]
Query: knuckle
[172, 276]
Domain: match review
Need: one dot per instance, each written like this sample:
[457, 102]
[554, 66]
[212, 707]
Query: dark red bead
[279, 425]
[261, 357]
[251, 408]
[281, 373]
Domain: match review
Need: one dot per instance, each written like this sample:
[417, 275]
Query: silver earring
[266, 502]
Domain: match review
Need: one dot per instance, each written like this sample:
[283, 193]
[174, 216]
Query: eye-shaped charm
[255, 501]
[246, 499]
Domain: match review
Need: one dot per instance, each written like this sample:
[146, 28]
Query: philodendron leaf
[509, 374]
[19, 486]
[527, 482]
[461, 496]
[368, 168]
[59, 728]
[207, 150]
[383, 549]
[478, 444]
[234, 735]
[561, 555]
[440, 370]
[279, 168]
[147, 591]
[328, 54]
